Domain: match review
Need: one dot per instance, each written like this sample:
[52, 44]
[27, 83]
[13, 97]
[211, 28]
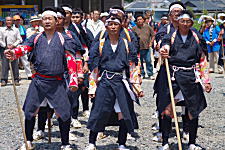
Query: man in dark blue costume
[52, 53]
[189, 72]
[110, 59]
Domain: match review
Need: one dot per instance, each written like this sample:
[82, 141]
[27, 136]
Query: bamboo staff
[173, 104]
[18, 105]
[49, 127]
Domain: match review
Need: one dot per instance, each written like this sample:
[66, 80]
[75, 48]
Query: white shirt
[95, 27]
[10, 36]
[114, 47]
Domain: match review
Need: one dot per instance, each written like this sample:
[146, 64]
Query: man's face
[17, 22]
[60, 22]
[164, 21]
[68, 16]
[76, 18]
[49, 22]
[175, 13]
[140, 21]
[34, 23]
[1, 23]
[209, 23]
[113, 28]
[8, 21]
[185, 24]
[96, 15]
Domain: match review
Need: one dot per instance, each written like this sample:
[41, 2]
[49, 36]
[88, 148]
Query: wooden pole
[223, 56]
[49, 127]
[18, 106]
[173, 105]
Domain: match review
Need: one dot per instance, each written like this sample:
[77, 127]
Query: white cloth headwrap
[185, 16]
[115, 11]
[49, 12]
[112, 20]
[59, 14]
[68, 9]
[164, 17]
[176, 6]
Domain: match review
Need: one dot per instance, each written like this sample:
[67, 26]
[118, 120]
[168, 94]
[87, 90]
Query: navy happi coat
[108, 90]
[182, 55]
[48, 59]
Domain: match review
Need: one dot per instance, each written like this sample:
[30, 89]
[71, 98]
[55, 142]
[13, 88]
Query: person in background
[103, 17]
[24, 59]
[211, 35]
[95, 25]
[85, 36]
[35, 27]
[222, 52]
[68, 10]
[1, 22]
[9, 39]
[132, 19]
[146, 37]
[164, 21]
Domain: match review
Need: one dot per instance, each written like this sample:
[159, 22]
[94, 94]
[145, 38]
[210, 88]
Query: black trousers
[122, 137]
[84, 99]
[63, 126]
[5, 69]
[166, 128]
[43, 116]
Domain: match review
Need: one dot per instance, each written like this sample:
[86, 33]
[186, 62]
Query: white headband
[59, 14]
[49, 12]
[115, 11]
[164, 17]
[176, 6]
[112, 20]
[185, 16]
[68, 9]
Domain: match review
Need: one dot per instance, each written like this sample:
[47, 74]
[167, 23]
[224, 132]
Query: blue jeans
[145, 56]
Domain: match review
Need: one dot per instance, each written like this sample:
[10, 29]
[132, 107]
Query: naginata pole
[173, 105]
[49, 127]
[222, 44]
[18, 106]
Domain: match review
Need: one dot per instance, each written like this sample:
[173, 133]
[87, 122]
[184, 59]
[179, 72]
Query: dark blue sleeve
[78, 45]
[134, 40]
[70, 44]
[166, 40]
[94, 57]
[161, 33]
[132, 53]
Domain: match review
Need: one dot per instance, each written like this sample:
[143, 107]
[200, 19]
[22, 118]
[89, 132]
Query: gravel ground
[211, 133]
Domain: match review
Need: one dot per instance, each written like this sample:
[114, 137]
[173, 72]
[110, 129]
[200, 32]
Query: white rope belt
[113, 74]
[175, 69]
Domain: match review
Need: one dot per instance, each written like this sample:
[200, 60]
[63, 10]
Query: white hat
[105, 14]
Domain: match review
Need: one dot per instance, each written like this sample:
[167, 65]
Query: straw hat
[34, 18]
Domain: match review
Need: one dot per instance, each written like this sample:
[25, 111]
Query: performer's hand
[157, 47]
[141, 94]
[80, 81]
[9, 54]
[91, 95]
[164, 51]
[212, 43]
[73, 89]
[10, 46]
[208, 87]
[85, 68]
